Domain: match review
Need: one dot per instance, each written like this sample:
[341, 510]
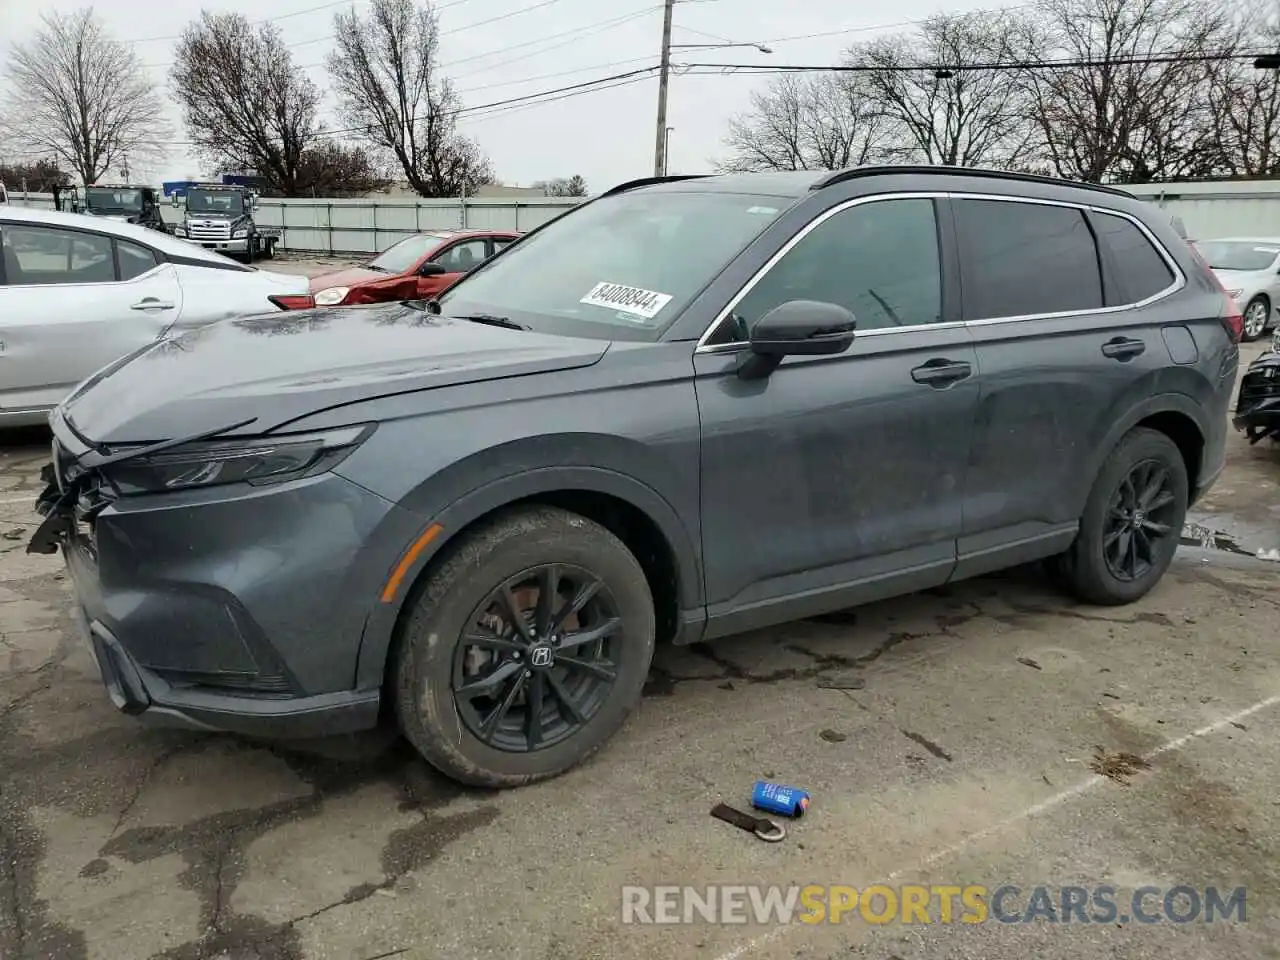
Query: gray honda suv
[690, 407]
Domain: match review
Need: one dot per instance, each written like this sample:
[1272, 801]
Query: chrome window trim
[1179, 281]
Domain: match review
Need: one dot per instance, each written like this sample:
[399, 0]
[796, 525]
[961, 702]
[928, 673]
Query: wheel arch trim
[442, 529]
[1163, 403]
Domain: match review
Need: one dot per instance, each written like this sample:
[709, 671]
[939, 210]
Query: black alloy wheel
[524, 648]
[537, 658]
[1141, 515]
[1131, 522]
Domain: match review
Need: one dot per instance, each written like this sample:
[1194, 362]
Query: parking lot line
[1053, 802]
[19, 500]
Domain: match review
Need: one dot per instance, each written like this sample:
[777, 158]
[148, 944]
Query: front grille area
[212, 231]
[272, 685]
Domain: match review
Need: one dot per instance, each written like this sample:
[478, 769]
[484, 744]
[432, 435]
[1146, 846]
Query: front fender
[380, 626]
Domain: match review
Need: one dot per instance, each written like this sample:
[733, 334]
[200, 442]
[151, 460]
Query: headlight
[179, 231]
[331, 296]
[1234, 294]
[239, 234]
[255, 460]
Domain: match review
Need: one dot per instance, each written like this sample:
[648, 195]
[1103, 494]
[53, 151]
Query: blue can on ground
[780, 799]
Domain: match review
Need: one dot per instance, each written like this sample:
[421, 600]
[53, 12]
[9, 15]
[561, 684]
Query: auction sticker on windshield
[633, 300]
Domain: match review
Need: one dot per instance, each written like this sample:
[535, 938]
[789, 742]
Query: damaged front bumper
[1257, 413]
[181, 636]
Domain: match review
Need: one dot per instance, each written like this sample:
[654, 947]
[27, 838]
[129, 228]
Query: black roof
[795, 184]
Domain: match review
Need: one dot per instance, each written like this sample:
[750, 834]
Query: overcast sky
[499, 49]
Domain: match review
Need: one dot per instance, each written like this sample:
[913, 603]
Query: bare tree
[331, 169]
[39, 177]
[573, 186]
[1113, 119]
[1244, 103]
[825, 121]
[247, 106]
[955, 116]
[387, 77]
[82, 97]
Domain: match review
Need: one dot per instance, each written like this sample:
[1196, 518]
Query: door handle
[941, 372]
[1123, 348]
[151, 303]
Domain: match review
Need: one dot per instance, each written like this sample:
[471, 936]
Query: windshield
[621, 267]
[1238, 254]
[215, 201]
[403, 256]
[109, 200]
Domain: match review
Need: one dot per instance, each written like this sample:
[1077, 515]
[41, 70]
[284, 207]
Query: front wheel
[1256, 315]
[1131, 522]
[525, 650]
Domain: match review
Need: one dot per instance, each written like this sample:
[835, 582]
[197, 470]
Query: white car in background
[1249, 269]
[77, 292]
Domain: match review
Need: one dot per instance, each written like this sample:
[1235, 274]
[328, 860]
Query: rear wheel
[1256, 315]
[526, 650]
[1131, 522]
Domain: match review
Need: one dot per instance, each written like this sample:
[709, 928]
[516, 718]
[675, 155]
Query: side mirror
[175, 200]
[805, 328]
[432, 270]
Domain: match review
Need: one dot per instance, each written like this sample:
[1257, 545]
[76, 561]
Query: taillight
[1231, 318]
[300, 301]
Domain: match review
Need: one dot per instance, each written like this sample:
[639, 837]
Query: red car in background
[416, 268]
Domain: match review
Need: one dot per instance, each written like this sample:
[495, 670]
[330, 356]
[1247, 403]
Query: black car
[1258, 402]
[690, 407]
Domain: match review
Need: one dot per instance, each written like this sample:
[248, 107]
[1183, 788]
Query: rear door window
[1140, 270]
[1026, 259]
[135, 260]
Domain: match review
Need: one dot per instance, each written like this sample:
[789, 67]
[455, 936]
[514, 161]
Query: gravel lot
[962, 758]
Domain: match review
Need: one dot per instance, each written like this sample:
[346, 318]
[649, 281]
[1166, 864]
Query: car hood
[278, 367]
[346, 278]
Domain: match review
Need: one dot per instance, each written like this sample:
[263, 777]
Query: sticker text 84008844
[633, 300]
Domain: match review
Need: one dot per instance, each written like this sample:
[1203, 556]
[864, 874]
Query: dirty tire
[1082, 569]
[1256, 315]
[443, 605]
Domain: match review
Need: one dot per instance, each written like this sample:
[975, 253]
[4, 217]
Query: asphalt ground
[989, 734]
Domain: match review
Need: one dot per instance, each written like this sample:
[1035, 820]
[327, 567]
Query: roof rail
[841, 176]
[649, 181]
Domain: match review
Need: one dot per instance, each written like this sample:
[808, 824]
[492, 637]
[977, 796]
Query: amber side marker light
[407, 561]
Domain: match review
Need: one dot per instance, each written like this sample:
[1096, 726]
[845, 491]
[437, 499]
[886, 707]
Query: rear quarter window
[1026, 259]
[1140, 270]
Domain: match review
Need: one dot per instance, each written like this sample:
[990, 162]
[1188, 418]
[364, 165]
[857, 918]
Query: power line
[443, 33]
[550, 76]
[1020, 65]
[588, 29]
[586, 86]
[296, 13]
[503, 111]
[884, 26]
[579, 33]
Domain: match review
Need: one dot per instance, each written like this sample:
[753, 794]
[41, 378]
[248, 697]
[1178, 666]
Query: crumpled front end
[1258, 402]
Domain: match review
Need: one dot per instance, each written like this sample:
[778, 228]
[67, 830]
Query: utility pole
[664, 74]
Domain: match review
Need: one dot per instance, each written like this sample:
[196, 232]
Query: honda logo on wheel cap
[540, 656]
